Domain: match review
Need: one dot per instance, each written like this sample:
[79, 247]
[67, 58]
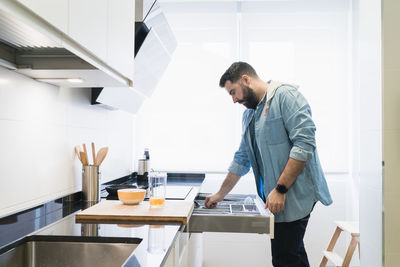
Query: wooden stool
[353, 229]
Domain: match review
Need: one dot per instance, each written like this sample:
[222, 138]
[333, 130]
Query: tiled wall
[39, 126]
[391, 130]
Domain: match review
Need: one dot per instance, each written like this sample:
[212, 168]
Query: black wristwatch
[281, 188]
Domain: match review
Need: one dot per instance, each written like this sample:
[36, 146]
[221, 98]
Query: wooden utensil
[86, 155]
[77, 151]
[93, 154]
[83, 158]
[101, 155]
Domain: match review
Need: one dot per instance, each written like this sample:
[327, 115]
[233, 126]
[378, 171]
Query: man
[278, 142]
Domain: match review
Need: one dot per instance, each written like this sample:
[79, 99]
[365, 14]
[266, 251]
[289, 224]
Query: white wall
[370, 160]
[39, 126]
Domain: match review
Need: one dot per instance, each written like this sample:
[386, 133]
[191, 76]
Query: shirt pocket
[275, 131]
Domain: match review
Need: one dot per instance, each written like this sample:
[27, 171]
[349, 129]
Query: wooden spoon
[84, 162]
[101, 155]
[77, 151]
[86, 155]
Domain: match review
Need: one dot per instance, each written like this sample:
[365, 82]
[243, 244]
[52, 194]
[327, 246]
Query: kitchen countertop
[155, 240]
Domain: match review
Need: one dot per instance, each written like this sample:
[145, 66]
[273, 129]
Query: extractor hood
[154, 46]
[155, 52]
[33, 47]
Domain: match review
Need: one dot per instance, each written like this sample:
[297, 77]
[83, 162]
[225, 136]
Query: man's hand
[230, 180]
[275, 201]
[212, 201]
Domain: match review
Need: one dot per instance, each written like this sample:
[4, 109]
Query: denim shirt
[285, 129]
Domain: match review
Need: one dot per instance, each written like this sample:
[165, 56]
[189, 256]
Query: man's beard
[249, 97]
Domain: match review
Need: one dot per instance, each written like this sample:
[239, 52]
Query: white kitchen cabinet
[54, 12]
[183, 250]
[178, 255]
[88, 21]
[170, 261]
[101, 30]
[120, 38]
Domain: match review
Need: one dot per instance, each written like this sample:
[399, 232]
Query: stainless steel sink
[236, 213]
[74, 252]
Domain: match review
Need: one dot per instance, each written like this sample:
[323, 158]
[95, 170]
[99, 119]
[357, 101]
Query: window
[190, 124]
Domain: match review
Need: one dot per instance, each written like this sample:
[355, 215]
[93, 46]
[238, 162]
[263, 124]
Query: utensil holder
[89, 229]
[90, 183]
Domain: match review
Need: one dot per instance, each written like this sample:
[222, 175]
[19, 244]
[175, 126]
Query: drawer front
[235, 214]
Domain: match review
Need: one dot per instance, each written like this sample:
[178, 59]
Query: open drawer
[236, 213]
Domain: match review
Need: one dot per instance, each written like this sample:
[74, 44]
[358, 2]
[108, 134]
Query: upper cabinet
[120, 37]
[55, 12]
[88, 20]
[105, 28]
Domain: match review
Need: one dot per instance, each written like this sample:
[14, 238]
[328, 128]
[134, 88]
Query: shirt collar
[263, 99]
[270, 92]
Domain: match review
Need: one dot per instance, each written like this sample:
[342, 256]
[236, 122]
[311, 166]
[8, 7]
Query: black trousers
[287, 247]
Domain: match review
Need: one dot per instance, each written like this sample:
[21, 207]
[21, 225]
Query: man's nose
[234, 99]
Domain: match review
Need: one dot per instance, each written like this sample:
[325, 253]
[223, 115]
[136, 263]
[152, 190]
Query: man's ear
[246, 79]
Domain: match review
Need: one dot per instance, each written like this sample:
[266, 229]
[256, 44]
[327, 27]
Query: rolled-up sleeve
[299, 125]
[240, 164]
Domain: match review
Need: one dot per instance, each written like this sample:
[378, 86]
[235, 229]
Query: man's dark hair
[236, 71]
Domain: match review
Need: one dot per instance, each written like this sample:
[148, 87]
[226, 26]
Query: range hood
[33, 47]
[154, 46]
[153, 54]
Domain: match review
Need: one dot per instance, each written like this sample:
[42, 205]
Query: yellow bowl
[131, 196]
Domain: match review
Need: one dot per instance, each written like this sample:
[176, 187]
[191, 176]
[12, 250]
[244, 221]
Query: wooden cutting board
[109, 211]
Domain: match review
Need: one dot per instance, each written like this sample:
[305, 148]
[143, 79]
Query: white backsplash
[40, 125]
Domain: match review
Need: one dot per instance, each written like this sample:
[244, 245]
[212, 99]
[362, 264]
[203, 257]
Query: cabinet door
[54, 12]
[88, 25]
[121, 31]
[170, 261]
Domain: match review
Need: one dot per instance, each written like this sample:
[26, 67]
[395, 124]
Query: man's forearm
[291, 172]
[229, 182]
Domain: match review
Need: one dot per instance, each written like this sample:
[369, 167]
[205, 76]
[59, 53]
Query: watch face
[281, 188]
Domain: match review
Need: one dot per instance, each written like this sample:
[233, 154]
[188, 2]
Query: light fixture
[60, 80]
[75, 80]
